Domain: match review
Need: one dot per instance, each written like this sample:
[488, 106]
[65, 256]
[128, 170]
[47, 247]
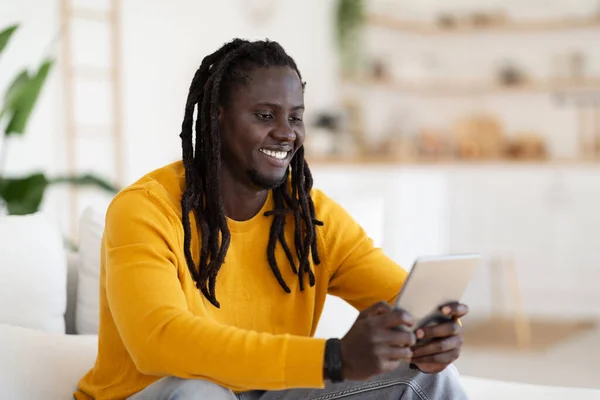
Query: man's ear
[221, 115]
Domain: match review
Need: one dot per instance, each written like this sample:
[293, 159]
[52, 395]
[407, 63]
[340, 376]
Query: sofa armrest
[43, 365]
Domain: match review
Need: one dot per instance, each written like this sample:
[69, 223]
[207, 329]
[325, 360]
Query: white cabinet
[544, 216]
[414, 204]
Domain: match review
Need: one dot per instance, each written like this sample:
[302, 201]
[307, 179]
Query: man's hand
[444, 341]
[374, 344]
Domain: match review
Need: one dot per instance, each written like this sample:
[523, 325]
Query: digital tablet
[433, 282]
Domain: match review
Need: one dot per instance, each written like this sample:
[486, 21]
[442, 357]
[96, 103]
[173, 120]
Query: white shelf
[453, 89]
[424, 28]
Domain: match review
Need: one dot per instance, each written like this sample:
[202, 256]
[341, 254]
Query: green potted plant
[23, 195]
[349, 19]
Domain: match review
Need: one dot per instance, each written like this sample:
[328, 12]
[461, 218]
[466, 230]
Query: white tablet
[434, 281]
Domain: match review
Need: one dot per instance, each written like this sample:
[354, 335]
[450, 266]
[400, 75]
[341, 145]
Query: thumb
[376, 309]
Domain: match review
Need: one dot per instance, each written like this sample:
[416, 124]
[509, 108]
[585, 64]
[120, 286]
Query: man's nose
[285, 131]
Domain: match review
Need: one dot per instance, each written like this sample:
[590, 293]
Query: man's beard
[264, 182]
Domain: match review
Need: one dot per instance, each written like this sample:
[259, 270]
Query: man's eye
[296, 119]
[264, 116]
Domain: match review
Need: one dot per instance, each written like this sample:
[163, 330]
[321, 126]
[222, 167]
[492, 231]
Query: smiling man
[215, 269]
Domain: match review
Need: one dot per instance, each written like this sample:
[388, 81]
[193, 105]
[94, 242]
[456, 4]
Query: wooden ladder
[108, 76]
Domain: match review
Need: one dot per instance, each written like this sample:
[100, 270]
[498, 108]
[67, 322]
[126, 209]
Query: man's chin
[266, 182]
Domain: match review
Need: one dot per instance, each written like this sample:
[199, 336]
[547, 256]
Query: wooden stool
[520, 318]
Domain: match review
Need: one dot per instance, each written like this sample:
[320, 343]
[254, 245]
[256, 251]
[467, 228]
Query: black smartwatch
[333, 360]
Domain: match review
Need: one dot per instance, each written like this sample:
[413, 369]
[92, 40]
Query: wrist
[333, 366]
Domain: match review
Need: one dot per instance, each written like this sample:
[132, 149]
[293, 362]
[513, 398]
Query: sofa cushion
[42, 365]
[33, 273]
[87, 311]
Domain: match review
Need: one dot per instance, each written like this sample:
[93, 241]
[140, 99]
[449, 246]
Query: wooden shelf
[452, 89]
[424, 28]
[391, 161]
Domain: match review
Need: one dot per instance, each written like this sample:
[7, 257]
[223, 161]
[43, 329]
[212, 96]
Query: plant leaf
[25, 101]
[86, 180]
[349, 17]
[5, 36]
[23, 195]
[16, 90]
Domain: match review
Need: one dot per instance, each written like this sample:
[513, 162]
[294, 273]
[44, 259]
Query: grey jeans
[401, 384]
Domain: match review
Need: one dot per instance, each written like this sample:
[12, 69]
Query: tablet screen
[434, 281]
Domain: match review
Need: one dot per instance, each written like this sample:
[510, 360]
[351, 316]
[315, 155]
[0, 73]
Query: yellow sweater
[155, 323]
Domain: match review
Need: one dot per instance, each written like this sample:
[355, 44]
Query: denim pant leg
[183, 389]
[402, 384]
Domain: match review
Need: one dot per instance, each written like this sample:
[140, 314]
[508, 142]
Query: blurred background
[445, 126]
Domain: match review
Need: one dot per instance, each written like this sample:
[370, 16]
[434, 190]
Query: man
[215, 269]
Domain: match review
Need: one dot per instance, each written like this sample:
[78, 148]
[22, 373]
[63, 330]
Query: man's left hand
[444, 341]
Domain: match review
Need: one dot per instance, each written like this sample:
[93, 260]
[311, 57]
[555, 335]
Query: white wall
[32, 42]
[163, 43]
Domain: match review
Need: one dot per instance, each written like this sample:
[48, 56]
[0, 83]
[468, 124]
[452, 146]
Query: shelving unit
[573, 86]
[424, 28]
[406, 26]
[390, 161]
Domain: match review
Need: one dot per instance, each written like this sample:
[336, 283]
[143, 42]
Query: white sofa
[38, 360]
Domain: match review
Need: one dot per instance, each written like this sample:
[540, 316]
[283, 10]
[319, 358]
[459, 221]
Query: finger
[388, 366]
[394, 319]
[454, 309]
[395, 338]
[376, 309]
[442, 330]
[444, 358]
[437, 346]
[432, 368]
[392, 353]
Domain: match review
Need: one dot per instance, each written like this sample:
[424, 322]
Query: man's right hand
[374, 344]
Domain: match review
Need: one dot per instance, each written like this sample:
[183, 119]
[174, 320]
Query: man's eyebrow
[276, 105]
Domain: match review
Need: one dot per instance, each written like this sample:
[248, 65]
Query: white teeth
[277, 154]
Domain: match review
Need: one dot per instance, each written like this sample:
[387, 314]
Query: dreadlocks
[219, 74]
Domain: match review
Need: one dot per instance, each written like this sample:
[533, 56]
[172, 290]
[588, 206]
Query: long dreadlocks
[219, 74]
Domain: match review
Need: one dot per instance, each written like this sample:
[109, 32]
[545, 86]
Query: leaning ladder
[74, 75]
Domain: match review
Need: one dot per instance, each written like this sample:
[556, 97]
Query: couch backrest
[87, 307]
[32, 273]
[72, 278]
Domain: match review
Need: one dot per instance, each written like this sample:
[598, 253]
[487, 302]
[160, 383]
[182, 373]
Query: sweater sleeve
[158, 330]
[360, 273]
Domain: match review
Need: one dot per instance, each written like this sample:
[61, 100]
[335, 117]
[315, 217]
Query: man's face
[262, 127]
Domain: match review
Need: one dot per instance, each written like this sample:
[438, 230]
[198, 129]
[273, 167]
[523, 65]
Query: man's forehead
[267, 82]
